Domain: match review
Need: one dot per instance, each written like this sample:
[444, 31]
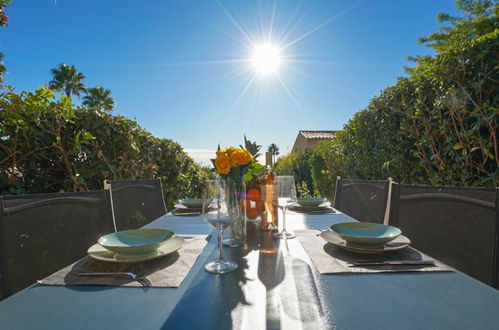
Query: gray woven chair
[42, 233]
[136, 202]
[457, 225]
[363, 200]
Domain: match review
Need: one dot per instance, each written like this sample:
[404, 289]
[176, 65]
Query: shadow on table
[271, 273]
[218, 301]
[299, 294]
[208, 302]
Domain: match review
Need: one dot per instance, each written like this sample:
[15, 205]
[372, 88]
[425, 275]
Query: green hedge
[438, 125]
[297, 164]
[51, 145]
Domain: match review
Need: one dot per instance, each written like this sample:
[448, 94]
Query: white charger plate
[397, 244]
[171, 245]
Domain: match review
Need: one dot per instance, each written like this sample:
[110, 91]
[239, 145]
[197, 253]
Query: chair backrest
[457, 225]
[364, 200]
[136, 202]
[41, 233]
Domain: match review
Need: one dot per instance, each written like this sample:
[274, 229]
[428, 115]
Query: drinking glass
[220, 209]
[285, 196]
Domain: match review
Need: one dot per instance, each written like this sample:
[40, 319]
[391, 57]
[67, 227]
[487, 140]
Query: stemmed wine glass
[285, 196]
[220, 209]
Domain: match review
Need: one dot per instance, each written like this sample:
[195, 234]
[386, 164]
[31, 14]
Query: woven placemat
[186, 212]
[330, 259]
[312, 210]
[167, 271]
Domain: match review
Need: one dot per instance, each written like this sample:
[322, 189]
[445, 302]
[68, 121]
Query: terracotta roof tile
[318, 134]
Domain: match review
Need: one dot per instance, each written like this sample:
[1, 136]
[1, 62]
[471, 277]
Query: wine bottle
[269, 215]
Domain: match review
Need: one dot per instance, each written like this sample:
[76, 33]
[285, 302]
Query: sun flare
[266, 59]
[268, 54]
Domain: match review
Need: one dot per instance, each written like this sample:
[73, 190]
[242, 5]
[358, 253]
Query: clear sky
[185, 70]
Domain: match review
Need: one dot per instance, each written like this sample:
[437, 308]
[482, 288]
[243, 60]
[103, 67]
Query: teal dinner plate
[395, 245]
[311, 201]
[195, 203]
[166, 247]
[365, 233]
[136, 241]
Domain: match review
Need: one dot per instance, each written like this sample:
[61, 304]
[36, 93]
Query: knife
[393, 262]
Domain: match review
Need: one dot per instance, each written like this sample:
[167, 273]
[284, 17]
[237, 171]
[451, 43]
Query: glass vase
[235, 234]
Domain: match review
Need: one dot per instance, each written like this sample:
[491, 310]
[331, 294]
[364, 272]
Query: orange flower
[240, 157]
[231, 150]
[222, 165]
[221, 152]
[230, 158]
[249, 155]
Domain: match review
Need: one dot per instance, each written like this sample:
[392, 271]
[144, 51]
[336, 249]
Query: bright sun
[266, 58]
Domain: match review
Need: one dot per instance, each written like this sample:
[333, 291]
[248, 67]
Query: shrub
[297, 164]
[51, 145]
[438, 125]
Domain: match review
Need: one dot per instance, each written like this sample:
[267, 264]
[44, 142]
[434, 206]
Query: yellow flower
[231, 150]
[231, 157]
[249, 155]
[222, 165]
[221, 152]
[232, 163]
[240, 157]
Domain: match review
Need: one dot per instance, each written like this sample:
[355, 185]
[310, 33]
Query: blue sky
[182, 68]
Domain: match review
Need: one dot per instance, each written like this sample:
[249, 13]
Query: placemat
[186, 212]
[182, 210]
[312, 210]
[330, 259]
[168, 271]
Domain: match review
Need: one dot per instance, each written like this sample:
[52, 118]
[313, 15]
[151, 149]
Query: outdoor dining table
[275, 286]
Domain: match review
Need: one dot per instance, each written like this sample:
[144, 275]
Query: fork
[140, 279]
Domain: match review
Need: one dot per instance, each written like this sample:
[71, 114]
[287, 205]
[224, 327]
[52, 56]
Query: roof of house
[318, 134]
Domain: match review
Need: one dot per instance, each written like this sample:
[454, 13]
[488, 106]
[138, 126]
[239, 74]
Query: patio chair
[363, 200]
[457, 225]
[136, 202]
[42, 233]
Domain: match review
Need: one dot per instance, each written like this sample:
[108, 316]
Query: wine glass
[285, 196]
[220, 209]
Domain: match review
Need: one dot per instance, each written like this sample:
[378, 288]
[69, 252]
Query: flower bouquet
[236, 163]
[239, 165]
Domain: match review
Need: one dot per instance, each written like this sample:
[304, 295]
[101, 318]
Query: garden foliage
[438, 125]
[48, 144]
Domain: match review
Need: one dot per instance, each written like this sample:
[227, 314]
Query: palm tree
[3, 69]
[67, 79]
[274, 149]
[99, 98]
